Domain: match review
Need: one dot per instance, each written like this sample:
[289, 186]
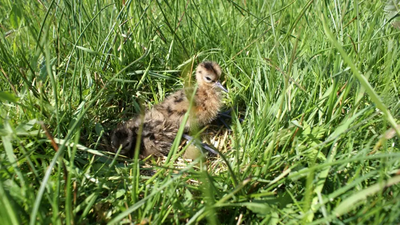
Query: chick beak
[218, 84]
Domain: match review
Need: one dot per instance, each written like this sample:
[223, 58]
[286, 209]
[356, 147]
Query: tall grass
[315, 82]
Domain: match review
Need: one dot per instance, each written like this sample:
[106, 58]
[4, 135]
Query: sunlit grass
[315, 82]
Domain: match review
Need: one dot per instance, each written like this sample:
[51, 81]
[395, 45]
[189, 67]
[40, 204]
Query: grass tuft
[314, 100]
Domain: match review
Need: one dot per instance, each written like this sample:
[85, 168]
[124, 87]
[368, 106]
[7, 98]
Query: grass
[315, 82]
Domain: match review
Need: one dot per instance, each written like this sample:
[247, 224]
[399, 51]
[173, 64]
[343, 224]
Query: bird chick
[162, 122]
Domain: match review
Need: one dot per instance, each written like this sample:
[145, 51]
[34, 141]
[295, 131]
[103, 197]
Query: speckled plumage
[162, 122]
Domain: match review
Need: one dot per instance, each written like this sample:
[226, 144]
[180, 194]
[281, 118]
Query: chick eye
[208, 79]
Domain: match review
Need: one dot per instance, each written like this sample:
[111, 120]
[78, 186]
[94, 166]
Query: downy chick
[161, 123]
